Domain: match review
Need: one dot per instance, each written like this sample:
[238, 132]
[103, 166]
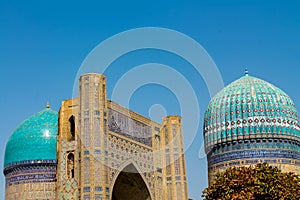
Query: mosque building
[95, 149]
[249, 122]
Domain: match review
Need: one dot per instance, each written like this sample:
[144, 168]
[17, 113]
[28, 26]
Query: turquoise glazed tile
[34, 139]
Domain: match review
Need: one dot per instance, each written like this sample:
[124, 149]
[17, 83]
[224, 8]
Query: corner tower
[249, 122]
[68, 174]
[175, 185]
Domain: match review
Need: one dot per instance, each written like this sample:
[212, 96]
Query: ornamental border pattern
[31, 174]
[249, 154]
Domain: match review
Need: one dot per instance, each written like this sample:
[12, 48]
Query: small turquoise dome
[34, 140]
[250, 108]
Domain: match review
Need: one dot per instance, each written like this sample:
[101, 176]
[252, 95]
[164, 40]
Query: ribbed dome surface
[34, 139]
[250, 108]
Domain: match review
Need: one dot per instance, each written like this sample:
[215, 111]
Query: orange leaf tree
[261, 182]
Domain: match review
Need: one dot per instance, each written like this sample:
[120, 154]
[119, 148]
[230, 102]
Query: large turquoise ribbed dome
[249, 122]
[250, 108]
[34, 140]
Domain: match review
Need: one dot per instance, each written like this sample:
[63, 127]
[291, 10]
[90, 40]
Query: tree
[261, 182]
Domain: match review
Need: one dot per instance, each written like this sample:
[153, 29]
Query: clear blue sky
[43, 43]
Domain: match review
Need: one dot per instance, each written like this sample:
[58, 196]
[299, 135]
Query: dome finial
[48, 105]
[246, 72]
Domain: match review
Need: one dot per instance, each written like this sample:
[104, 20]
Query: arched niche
[130, 185]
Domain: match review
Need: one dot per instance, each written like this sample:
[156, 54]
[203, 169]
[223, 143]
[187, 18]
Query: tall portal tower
[93, 132]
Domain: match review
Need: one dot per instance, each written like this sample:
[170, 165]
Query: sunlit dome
[34, 140]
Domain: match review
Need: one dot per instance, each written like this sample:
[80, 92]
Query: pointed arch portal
[130, 185]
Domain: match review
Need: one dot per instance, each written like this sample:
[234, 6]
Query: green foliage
[261, 182]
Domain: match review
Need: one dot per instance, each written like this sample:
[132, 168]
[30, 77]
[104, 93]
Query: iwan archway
[130, 185]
